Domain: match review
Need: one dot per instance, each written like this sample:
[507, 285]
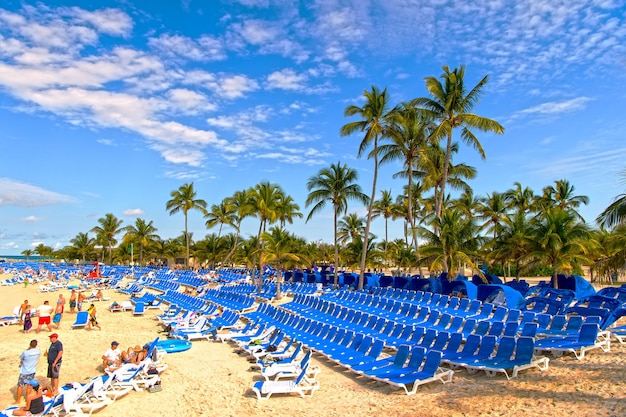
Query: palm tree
[241, 203]
[559, 240]
[385, 208]
[456, 244]
[265, 198]
[141, 233]
[515, 241]
[521, 198]
[27, 253]
[493, 209]
[451, 105]
[287, 210]
[222, 213]
[83, 244]
[278, 249]
[615, 213]
[184, 199]
[409, 132]
[467, 203]
[337, 185]
[562, 195]
[109, 227]
[375, 119]
[350, 227]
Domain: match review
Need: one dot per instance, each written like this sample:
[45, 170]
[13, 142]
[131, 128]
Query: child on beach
[93, 321]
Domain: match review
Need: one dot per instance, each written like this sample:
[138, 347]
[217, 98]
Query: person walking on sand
[28, 366]
[44, 311]
[55, 358]
[93, 319]
[58, 314]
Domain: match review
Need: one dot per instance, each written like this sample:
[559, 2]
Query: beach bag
[255, 342]
[271, 348]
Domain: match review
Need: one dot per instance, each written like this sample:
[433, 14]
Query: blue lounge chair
[139, 309]
[82, 317]
[302, 385]
[589, 338]
[428, 372]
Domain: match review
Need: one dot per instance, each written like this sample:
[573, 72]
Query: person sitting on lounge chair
[112, 358]
[34, 400]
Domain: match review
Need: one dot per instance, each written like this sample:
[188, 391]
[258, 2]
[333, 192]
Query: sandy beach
[210, 379]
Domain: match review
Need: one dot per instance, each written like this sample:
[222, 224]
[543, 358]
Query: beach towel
[28, 323]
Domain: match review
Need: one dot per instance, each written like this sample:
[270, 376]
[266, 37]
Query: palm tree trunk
[442, 190]
[234, 245]
[369, 217]
[336, 271]
[411, 219]
[186, 243]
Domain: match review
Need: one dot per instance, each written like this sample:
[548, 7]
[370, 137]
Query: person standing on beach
[72, 301]
[81, 298]
[93, 319]
[25, 306]
[28, 322]
[55, 357]
[28, 367]
[44, 311]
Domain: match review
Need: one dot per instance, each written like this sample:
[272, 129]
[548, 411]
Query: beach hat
[114, 343]
[137, 348]
[53, 335]
[33, 382]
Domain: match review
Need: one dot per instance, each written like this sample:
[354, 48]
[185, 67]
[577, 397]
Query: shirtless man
[23, 309]
[72, 301]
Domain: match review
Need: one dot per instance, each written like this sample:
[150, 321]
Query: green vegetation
[447, 228]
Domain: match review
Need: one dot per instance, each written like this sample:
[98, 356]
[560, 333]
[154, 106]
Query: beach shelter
[580, 286]
[512, 297]
[461, 286]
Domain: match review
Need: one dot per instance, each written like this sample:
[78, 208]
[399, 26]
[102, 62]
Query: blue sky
[106, 107]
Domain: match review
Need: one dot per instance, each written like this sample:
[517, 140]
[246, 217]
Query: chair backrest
[365, 344]
[417, 356]
[429, 338]
[456, 324]
[506, 348]
[525, 349]
[482, 328]
[574, 323]
[81, 317]
[417, 335]
[376, 349]
[588, 333]
[510, 329]
[433, 360]
[471, 344]
[558, 322]
[529, 330]
[496, 328]
[401, 355]
[454, 342]
[487, 346]
[441, 341]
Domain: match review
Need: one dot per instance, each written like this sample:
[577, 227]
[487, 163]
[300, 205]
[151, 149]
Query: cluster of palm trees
[514, 231]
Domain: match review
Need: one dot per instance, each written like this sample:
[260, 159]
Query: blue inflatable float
[173, 345]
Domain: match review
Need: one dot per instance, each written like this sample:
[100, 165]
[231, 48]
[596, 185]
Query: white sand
[210, 379]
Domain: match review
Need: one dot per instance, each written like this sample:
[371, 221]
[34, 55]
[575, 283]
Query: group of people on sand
[114, 358]
[27, 383]
[50, 316]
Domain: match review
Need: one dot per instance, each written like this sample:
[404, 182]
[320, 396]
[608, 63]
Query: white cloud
[205, 48]
[286, 79]
[235, 86]
[558, 107]
[20, 194]
[32, 219]
[109, 21]
[133, 212]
